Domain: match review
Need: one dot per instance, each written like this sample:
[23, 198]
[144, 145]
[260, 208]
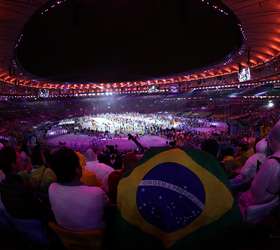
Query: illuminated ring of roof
[260, 20]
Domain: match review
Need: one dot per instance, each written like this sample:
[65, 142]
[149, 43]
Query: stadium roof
[260, 25]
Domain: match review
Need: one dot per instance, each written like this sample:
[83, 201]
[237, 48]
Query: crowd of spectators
[77, 190]
[73, 189]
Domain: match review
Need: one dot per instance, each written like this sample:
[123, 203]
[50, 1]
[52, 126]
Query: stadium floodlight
[270, 104]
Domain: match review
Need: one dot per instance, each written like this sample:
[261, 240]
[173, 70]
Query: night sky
[125, 40]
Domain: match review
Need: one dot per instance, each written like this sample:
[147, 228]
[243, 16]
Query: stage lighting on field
[270, 104]
[43, 93]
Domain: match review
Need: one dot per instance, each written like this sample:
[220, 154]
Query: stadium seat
[79, 240]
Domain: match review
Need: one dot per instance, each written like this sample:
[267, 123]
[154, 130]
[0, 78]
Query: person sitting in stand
[75, 205]
[251, 167]
[263, 196]
[228, 162]
[211, 146]
[23, 160]
[100, 170]
[21, 206]
[40, 176]
[88, 178]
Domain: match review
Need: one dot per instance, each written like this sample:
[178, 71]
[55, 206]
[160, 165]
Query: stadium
[145, 124]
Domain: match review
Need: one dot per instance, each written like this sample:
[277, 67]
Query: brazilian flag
[173, 199]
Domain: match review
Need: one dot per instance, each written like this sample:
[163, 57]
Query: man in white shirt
[75, 206]
[102, 172]
[263, 196]
[251, 167]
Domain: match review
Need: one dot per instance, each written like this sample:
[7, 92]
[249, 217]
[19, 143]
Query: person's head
[210, 146]
[90, 155]
[66, 165]
[242, 147]
[24, 148]
[19, 146]
[274, 139]
[172, 143]
[228, 151]
[37, 157]
[110, 148]
[8, 159]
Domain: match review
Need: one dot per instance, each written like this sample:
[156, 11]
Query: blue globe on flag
[170, 197]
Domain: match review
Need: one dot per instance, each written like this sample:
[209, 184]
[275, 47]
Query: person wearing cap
[251, 167]
[263, 196]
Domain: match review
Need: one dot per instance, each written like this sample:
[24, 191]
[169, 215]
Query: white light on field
[233, 95]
